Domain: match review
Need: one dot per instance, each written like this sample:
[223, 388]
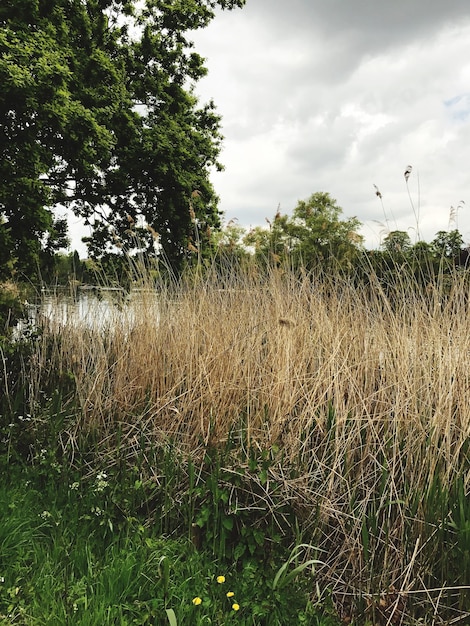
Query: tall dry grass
[366, 395]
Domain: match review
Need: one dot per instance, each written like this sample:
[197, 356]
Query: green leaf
[282, 579]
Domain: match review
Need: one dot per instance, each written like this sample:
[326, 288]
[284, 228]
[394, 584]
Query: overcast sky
[339, 96]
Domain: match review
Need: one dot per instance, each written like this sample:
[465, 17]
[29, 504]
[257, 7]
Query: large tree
[97, 114]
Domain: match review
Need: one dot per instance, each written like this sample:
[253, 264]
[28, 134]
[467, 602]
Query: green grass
[68, 557]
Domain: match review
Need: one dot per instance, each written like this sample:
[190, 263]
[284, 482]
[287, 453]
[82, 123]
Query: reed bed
[364, 394]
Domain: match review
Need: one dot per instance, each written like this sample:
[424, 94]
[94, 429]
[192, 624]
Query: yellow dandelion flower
[220, 579]
[197, 600]
[230, 594]
[235, 606]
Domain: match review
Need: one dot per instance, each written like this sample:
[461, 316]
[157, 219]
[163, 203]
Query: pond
[91, 307]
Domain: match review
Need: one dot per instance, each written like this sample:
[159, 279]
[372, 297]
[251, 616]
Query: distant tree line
[316, 236]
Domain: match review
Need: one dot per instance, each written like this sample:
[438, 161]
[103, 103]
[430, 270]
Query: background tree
[258, 241]
[320, 235]
[314, 235]
[399, 259]
[448, 245]
[228, 249]
[96, 114]
[423, 263]
[397, 243]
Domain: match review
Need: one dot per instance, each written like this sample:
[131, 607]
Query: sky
[339, 96]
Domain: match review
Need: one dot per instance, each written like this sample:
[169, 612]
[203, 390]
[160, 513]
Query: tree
[397, 243]
[97, 113]
[448, 245]
[227, 244]
[318, 234]
[422, 261]
[315, 235]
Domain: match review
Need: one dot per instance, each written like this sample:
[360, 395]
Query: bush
[11, 307]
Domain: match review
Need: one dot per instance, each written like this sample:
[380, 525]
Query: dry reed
[367, 396]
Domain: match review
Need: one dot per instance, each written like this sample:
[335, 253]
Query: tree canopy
[98, 115]
[315, 234]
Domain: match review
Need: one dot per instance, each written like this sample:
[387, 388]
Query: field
[306, 438]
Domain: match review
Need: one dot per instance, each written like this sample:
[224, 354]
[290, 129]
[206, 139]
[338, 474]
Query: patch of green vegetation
[81, 545]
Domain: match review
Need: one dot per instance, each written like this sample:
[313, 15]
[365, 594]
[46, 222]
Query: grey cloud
[377, 23]
[336, 35]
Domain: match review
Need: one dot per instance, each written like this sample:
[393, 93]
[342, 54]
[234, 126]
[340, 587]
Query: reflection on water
[91, 307]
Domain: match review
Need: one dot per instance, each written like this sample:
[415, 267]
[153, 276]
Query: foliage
[97, 115]
[397, 242]
[75, 545]
[62, 269]
[315, 235]
[11, 307]
[447, 247]
[426, 265]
